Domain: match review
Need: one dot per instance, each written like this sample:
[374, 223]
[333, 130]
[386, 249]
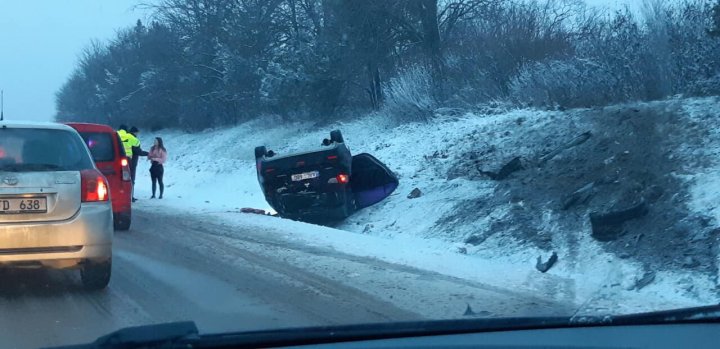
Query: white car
[55, 210]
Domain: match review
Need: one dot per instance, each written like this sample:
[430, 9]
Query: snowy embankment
[213, 173]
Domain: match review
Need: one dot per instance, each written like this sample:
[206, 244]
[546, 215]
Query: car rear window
[26, 149]
[100, 145]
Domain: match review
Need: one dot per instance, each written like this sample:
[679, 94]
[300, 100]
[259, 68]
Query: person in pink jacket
[158, 156]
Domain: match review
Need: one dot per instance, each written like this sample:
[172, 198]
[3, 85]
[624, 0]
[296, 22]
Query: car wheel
[260, 151]
[336, 136]
[123, 223]
[96, 275]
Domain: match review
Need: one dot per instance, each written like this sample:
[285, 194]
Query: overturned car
[324, 184]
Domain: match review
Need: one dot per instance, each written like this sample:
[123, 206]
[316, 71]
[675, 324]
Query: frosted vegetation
[207, 63]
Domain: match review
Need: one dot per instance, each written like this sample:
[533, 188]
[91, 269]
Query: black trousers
[156, 174]
[133, 167]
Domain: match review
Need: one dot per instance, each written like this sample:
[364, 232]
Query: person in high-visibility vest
[127, 140]
[132, 150]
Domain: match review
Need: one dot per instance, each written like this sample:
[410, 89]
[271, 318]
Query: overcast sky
[40, 41]
[39, 44]
[634, 5]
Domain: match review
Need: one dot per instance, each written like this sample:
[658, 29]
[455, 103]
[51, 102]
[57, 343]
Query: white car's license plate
[303, 176]
[23, 205]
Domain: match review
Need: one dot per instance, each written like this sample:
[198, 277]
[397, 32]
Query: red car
[109, 156]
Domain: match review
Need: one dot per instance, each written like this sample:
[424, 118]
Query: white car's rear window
[24, 149]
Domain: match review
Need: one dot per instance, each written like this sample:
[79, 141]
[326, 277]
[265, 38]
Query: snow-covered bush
[695, 53]
[706, 87]
[465, 85]
[409, 96]
[622, 58]
[567, 83]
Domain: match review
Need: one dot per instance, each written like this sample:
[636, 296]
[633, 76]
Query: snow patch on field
[705, 182]
[213, 173]
[705, 177]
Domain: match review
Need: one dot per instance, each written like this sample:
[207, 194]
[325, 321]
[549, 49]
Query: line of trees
[207, 63]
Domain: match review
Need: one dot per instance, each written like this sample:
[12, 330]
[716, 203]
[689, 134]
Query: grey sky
[40, 41]
[617, 4]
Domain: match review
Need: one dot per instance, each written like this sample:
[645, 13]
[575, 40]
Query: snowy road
[225, 278]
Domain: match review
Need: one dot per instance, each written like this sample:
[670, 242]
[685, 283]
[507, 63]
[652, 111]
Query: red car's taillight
[94, 186]
[125, 165]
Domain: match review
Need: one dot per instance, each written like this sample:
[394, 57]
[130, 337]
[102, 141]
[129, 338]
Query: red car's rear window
[100, 145]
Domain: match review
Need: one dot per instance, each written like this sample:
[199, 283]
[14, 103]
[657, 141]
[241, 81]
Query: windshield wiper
[150, 336]
[185, 334]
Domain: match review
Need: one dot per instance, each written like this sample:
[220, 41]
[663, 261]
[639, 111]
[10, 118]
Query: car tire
[123, 223]
[260, 151]
[336, 136]
[96, 275]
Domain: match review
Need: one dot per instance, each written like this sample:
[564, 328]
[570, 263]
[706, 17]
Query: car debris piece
[647, 279]
[512, 166]
[579, 197]
[582, 138]
[607, 226]
[637, 240]
[544, 267]
[252, 210]
[414, 194]
[469, 311]
[475, 239]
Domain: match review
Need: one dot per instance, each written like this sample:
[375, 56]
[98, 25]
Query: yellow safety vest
[129, 141]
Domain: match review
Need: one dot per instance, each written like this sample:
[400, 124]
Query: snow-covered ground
[213, 173]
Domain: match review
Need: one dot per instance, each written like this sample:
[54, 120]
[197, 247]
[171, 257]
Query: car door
[371, 180]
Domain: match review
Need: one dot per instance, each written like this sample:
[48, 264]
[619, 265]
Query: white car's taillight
[125, 165]
[94, 186]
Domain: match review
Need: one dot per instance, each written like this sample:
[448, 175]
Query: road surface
[228, 278]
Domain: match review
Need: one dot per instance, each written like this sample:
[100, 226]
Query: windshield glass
[294, 163]
[41, 150]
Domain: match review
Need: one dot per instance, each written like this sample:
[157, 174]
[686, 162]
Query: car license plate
[23, 205]
[303, 176]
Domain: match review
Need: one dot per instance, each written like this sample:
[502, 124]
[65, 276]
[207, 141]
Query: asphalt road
[176, 268]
